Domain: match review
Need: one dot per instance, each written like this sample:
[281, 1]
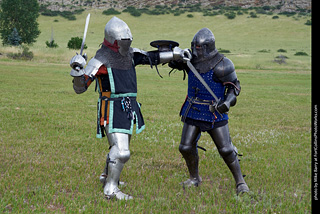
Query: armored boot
[111, 189]
[193, 166]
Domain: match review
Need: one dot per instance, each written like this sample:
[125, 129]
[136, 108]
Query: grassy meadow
[50, 160]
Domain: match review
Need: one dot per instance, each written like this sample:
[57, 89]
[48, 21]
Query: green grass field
[50, 160]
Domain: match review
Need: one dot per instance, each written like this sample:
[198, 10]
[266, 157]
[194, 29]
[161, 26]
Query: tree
[22, 15]
[14, 38]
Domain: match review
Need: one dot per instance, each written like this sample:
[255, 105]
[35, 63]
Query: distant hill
[280, 5]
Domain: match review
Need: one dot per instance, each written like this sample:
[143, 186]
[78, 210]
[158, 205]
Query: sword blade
[195, 72]
[85, 33]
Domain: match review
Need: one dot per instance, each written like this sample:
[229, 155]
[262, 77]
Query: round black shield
[164, 45]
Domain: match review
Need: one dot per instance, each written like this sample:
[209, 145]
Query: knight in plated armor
[113, 69]
[202, 113]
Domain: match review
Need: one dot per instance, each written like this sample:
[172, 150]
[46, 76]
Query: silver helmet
[203, 44]
[118, 31]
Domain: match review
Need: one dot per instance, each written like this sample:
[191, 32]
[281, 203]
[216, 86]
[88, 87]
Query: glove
[223, 107]
[77, 64]
[182, 54]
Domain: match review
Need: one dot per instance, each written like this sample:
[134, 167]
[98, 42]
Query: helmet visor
[124, 46]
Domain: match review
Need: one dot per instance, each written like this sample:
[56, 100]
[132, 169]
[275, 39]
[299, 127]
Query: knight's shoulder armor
[93, 67]
[225, 71]
[139, 51]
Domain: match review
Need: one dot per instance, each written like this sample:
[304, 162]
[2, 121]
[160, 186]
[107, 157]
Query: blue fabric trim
[111, 79]
[124, 95]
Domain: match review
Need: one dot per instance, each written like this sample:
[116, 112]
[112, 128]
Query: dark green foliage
[51, 44]
[223, 50]
[286, 13]
[111, 11]
[230, 15]
[253, 15]
[70, 15]
[75, 43]
[308, 22]
[22, 15]
[282, 50]
[14, 38]
[229, 11]
[133, 11]
[300, 53]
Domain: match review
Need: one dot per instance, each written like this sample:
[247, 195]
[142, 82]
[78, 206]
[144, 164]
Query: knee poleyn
[185, 149]
[228, 154]
[124, 156]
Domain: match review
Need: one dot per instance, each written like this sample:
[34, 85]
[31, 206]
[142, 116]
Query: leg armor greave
[189, 151]
[221, 138]
[119, 154]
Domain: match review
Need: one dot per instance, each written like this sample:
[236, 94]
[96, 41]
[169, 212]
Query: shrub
[264, 51]
[190, 16]
[223, 50]
[51, 44]
[253, 15]
[230, 15]
[308, 22]
[75, 43]
[300, 53]
[111, 11]
[68, 15]
[133, 11]
[24, 55]
[282, 50]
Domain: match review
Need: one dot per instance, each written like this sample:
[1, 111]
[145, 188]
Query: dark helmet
[203, 44]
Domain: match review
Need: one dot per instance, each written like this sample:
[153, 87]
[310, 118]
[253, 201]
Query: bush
[65, 14]
[223, 50]
[111, 11]
[230, 15]
[190, 16]
[308, 22]
[75, 43]
[253, 15]
[68, 15]
[133, 11]
[282, 50]
[51, 44]
[300, 53]
[24, 55]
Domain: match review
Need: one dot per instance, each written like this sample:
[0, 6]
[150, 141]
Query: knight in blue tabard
[201, 112]
[113, 69]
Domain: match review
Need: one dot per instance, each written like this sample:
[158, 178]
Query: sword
[195, 72]
[214, 106]
[85, 33]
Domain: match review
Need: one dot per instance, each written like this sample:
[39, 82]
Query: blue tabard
[196, 105]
